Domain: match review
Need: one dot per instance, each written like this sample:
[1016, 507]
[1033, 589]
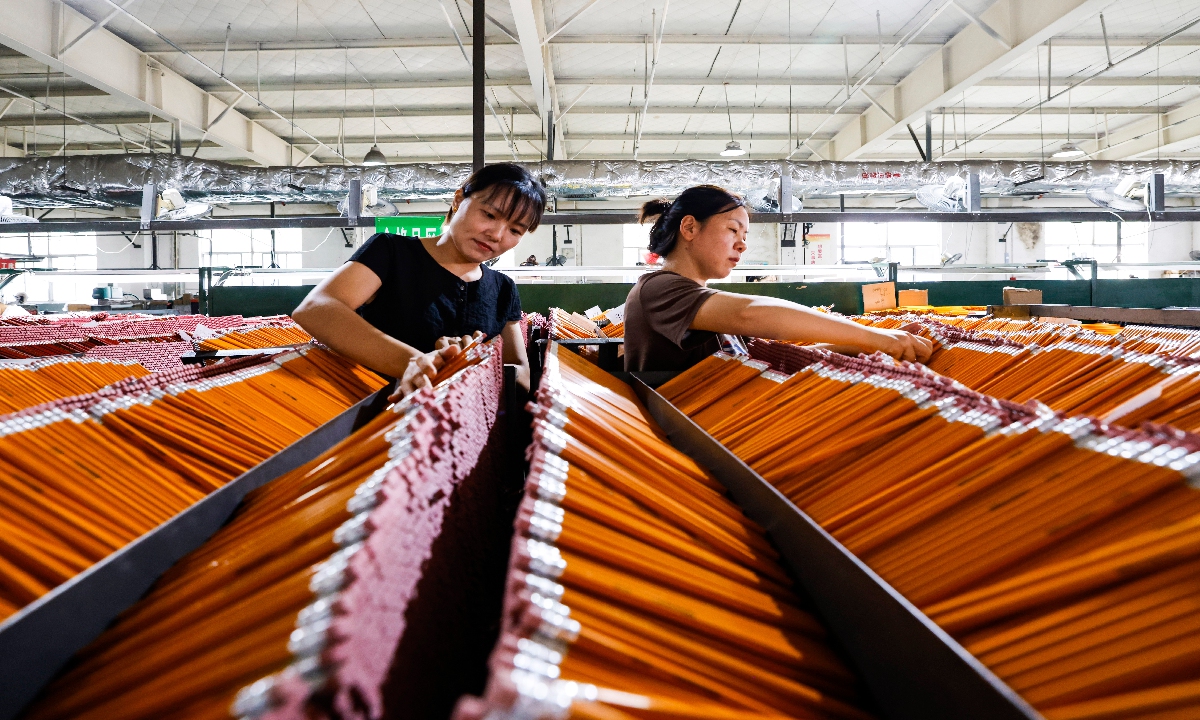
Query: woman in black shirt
[402, 305]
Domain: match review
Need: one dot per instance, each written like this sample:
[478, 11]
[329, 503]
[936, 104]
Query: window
[252, 248]
[1096, 240]
[635, 240]
[907, 243]
[62, 252]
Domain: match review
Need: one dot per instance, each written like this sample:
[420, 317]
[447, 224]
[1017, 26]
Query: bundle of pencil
[23, 386]
[1071, 369]
[1038, 539]
[259, 337]
[611, 322]
[638, 588]
[571, 326]
[1184, 342]
[83, 476]
[258, 618]
[41, 337]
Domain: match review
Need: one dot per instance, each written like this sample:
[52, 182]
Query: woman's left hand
[422, 369]
[459, 342]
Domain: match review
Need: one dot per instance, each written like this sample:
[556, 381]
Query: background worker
[672, 319]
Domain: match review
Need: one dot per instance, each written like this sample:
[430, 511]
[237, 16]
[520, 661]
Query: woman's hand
[422, 369]
[459, 342]
[903, 345]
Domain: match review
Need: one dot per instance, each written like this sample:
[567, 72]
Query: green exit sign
[411, 226]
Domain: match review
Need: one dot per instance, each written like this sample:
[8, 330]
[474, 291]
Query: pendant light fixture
[732, 148]
[1068, 150]
[374, 156]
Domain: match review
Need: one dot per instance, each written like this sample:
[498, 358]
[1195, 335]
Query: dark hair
[511, 189]
[700, 201]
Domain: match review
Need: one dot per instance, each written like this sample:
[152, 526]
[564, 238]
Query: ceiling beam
[37, 87]
[531, 137]
[969, 57]
[530, 20]
[1105, 80]
[38, 28]
[50, 119]
[853, 41]
[309, 85]
[34, 84]
[1174, 131]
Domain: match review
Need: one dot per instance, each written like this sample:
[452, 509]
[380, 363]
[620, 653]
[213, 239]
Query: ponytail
[700, 201]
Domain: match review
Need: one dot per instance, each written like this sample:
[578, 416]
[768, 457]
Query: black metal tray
[913, 669]
[43, 636]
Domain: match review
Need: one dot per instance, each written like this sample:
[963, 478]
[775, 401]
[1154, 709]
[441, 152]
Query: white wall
[325, 247]
[1170, 242]
[115, 252]
[602, 244]
[975, 241]
[762, 244]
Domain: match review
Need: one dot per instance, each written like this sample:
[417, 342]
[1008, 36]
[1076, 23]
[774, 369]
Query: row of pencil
[277, 335]
[1059, 550]
[41, 337]
[638, 589]
[1079, 372]
[313, 570]
[574, 326]
[41, 381]
[83, 476]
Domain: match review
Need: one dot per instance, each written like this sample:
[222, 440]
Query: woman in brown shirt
[672, 319]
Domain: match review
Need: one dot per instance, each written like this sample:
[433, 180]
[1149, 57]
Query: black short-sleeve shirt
[421, 301]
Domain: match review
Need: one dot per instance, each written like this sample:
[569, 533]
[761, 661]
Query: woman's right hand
[903, 345]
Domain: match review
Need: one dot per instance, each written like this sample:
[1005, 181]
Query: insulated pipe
[110, 180]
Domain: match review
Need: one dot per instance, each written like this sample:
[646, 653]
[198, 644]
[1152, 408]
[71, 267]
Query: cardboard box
[909, 298]
[879, 296]
[1022, 296]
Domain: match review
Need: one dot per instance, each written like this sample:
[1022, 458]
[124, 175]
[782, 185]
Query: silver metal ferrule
[256, 699]
[536, 665]
[312, 670]
[552, 654]
[309, 640]
[545, 560]
[366, 497]
[354, 530]
[543, 528]
[330, 575]
[544, 586]
[550, 489]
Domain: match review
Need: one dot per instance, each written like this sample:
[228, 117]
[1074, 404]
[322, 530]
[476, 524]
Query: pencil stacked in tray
[1085, 370]
[274, 334]
[304, 591]
[81, 477]
[572, 326]
[637, 588]
[38, 336]
[1061, 551]
[42, 381]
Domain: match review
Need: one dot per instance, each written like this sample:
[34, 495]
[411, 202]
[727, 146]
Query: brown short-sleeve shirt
[658, 318]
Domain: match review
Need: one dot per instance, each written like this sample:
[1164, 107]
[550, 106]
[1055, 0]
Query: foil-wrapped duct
[117, 180]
